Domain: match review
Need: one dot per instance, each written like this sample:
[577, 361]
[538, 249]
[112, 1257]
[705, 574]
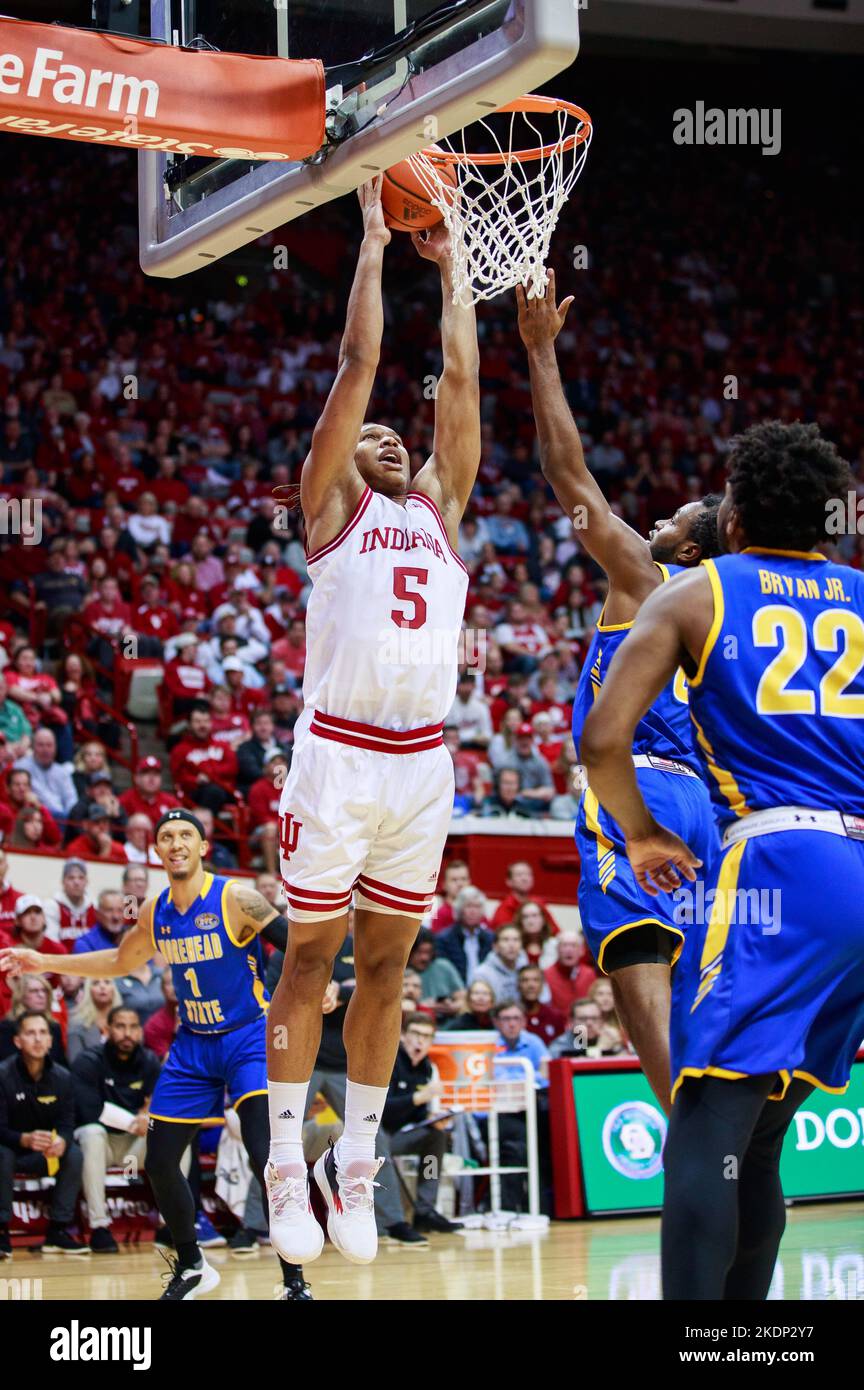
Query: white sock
[364, 1106]
[287, 1104]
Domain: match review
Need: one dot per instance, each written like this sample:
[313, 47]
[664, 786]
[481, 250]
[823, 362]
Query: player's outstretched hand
[540, 320]
[17, 960]
[659, 861]
[369, 195]
[433, 243]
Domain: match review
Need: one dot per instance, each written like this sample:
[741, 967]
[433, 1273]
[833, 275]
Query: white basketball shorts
[363, 817]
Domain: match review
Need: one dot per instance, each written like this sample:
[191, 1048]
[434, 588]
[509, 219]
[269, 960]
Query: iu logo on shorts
[289, 834]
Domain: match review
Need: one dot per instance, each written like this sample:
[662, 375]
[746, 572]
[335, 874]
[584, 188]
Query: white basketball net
[502, 215]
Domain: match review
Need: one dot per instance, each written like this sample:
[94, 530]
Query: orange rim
[538, 106]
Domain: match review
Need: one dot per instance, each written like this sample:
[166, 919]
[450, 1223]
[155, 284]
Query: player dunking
[207, 928]
[766, 1004]
[634, 938]
[367, 803]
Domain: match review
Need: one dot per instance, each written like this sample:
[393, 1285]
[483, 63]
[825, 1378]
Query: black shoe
[59, 1242]
[403, 1234]
[243, 1244]
[102, 1242]
[163, 1239]
[186, 1284]
[434, 1221]
[5, 1244]
[296, 1291]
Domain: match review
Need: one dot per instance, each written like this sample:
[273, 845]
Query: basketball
[407, 205]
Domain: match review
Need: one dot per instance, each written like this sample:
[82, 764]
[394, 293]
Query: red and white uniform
[65, 921]
[369, 796]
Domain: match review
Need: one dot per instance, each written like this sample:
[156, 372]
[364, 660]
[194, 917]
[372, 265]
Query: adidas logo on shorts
[370, 1119]
[287, 1115]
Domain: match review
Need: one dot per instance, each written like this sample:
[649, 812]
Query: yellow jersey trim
[785, 1078]
[223, 908]
[723, 777]
[181, 1119]
[152, 906]
[789, 554]
[606, 868]
[716, 622]
[205, 889]
[245, 1096]
[711, 962]
[642, 922]
[822, 1086]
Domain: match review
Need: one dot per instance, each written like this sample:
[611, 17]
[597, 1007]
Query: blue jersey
[777, 701]
[219, 983]
[664, 729]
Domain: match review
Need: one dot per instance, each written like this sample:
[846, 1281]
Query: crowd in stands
[89, 1042]
[152, 420]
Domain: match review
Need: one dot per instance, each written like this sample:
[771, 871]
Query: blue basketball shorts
[773, 980]
[201, 1067]
[610, 899]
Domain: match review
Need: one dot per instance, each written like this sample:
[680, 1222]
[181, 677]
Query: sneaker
[163, 1240]
[403, 1234]
[183, 1284]
[206, 1235]
[295, 1291]
[59, 1242]
[5, 1244]
[102, 1242]
[434, 1221]
[350, 1208]
[294, 1230]
[243, 1244]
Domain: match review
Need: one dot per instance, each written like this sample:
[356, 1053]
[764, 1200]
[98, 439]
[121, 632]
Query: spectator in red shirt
[229, 725]
[572, 975]
[202, 768]
[29, 831]
[108, 613]
[456, 877]
[543, 1020]
[95, 841]
[146, 796]
[28, 930]
[8, 898]
[263, 802]
[20, 794]
[292, 648]
[160, 1027]
[184, 682]
[152, 617]
[71, 911]
[537, 937]
[520, 889]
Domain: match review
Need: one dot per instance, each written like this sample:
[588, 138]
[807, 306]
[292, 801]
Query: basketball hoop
[508, 198]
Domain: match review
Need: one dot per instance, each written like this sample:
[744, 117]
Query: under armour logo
[289, 834]
[370, 1119]
[287, 1115]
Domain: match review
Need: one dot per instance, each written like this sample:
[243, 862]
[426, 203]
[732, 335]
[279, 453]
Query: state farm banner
[74, 84]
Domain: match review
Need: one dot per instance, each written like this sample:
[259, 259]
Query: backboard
[457, 62]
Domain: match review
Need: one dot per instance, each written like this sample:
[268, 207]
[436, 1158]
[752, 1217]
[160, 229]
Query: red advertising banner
[74, 84]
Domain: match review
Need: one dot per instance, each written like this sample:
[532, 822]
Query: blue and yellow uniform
[221, 1042]
[668, 771]
[774, 979]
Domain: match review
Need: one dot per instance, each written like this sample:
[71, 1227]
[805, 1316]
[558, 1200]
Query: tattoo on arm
[254, 905]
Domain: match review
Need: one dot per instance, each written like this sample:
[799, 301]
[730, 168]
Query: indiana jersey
[218, 982]
[664, 730]
[384, 618]
[777, 701]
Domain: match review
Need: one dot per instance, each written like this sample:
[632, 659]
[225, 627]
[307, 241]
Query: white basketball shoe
[350, 1198]
[294, 1230]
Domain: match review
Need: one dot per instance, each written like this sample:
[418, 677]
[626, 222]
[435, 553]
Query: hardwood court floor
[822, 1257]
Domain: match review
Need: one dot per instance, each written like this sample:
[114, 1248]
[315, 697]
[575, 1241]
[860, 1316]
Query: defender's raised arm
[623, 554]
